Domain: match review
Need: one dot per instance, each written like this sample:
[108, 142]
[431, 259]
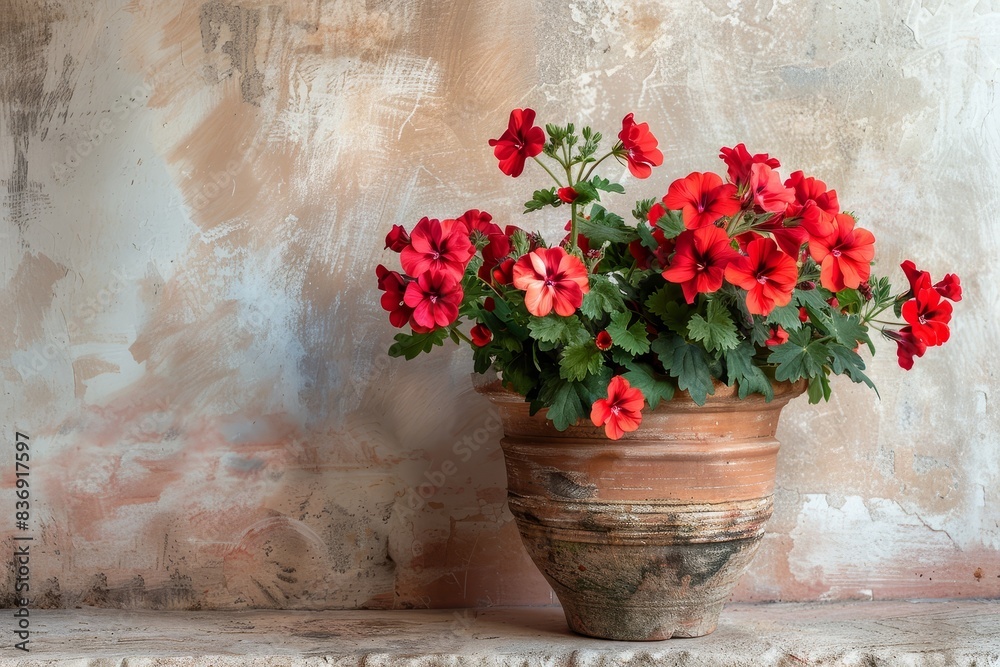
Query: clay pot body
[644, 538]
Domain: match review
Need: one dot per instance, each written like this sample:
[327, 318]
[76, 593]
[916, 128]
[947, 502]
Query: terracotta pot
[644, 538]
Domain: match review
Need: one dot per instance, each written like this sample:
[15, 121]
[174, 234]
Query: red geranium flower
[814, 204]
[908, 346]
[397, 238]
[950, 287]
[702, 198]
[434, 297]
[803, 314]
[778, 336]
[621, 411]
[481, 335]
[845, 256]
[567, 195]
[603, 341]
[521, 141]
[582, 241]
[739, 161]
[551, 279]
[440, 245]
[700, 260]
[504, 273]
[768, 275]
[766, 191]
[928, 316]
[640, 147]
[664, 246]
[482, 228]
[393, 285]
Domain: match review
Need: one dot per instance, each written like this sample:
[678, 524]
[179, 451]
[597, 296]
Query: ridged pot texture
[644, 538]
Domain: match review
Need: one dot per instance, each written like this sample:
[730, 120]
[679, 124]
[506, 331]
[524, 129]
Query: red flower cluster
[791, 218]
[926, 315]
[434, 256]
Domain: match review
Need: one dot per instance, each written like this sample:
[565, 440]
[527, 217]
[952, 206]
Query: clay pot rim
[492, 387]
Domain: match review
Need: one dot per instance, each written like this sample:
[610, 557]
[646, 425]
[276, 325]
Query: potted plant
[640, 368]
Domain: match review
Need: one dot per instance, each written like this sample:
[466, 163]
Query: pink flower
[439, 245]
[434, 297]
[521, 141]
[641, 152]
[739, 161]
[766, 191]
[552, 280]
[621, 411]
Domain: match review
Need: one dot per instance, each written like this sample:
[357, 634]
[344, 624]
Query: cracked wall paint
[195, 197]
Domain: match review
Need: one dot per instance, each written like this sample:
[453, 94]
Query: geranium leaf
[542, 198]
[716, 330]
[672, 224]
[786, 317]
[631, 339]
[819, 388]
[799, 357]
[686, 363]
[646, 235]
[564, 405]
[605, 226]
[606, 185]
[664, 304]
[410, 345]
[749, 377]
[848, 362]
[654, 387]
[603, 297]
[578, 361]
[557, 329]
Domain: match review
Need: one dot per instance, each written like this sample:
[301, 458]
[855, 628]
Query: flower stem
[455, 330]
[547, 171]
[594, 166]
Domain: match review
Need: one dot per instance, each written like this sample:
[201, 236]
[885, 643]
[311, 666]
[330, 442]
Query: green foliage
[605, 226]
[633, 339]
[542, 198]
[654, 386]
[672, 224]
[580, 360]
[687, 364]
[603, 298]
[715, 330]
[557, 329]
[410, 345]
[742, 370]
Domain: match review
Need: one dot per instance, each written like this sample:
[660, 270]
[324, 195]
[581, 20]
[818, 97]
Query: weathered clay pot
[644, 538]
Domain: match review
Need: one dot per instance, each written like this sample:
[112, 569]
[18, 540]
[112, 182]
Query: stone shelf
[786, 634]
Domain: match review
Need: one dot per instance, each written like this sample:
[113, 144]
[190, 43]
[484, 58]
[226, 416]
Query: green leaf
[819, 388]
[632, 339]
[585, 193]
[716, 331]
[672, 224]
[641, 210]
[646, 235]
[542, 198]
[799, 358]
[849, 331]
[665, 304]
[654, 387]
[563, 402]
[520, 373]
[606, 185]
[579, 361]
[747, 375]
[557, 329]
[605, 226]
[410, 345]
[603, 297]
[686, 363]
[786, 317]
[848, 362]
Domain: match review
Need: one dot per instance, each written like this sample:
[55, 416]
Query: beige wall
[195, 199]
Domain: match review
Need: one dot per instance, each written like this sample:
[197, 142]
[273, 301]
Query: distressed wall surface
[194, 200]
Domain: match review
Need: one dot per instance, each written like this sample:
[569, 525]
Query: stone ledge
[857, 633]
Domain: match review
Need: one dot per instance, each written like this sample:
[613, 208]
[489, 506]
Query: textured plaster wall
[194, 198]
